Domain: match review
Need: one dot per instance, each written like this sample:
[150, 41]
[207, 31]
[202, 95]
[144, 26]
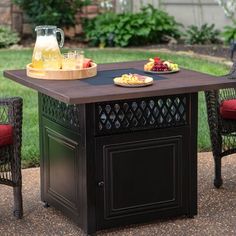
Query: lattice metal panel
[62, 113]
[145, 113]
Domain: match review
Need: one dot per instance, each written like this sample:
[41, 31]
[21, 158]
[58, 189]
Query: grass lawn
[16, 59]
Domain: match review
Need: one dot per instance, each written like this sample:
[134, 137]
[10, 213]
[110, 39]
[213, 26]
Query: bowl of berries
[158, 66]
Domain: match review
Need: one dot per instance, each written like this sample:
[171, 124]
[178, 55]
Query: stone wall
[12, 16]
[5, 12]
[87, 12]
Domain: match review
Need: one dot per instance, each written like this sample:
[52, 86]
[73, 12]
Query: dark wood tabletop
[78, 91]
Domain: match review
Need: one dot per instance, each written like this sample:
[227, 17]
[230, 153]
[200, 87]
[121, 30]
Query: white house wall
[190, 12]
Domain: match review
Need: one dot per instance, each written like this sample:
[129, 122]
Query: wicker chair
[222, 131]
[10, 152]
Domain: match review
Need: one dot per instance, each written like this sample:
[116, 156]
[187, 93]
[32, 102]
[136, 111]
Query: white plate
[161, 72]
[149, 81]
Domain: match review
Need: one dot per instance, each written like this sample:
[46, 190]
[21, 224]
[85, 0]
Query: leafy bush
[7, 37]
[229, 33]
[202, 35]
[51, 12]
[148, 26]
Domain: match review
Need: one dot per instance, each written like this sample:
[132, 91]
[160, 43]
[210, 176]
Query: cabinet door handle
[100, 184]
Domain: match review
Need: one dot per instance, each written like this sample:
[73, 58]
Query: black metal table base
[119, 162]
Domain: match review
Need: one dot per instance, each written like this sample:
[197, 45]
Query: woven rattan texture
[10, 155]
[10, 159]
[222, 131]
[139, 114]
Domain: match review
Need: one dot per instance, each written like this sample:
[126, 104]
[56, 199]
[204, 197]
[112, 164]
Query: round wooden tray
[62, 74]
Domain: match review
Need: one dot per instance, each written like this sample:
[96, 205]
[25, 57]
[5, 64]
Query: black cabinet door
[60, 162]
[141, 176]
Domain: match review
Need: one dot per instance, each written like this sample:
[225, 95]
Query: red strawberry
[157, 59]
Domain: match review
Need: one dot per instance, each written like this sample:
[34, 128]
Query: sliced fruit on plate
[158, 65]
[133, 79]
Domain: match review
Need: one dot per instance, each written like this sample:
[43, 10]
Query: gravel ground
[216, 209]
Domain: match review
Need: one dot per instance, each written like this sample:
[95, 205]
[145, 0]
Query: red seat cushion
[6, 135]
[228, 109]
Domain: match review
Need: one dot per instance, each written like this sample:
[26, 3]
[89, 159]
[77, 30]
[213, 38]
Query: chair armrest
[11, 113]
[232, 73]
[12, 107]
[213, 108]
[214, 120]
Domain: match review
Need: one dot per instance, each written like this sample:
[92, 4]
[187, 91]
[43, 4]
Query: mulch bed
[216, 50]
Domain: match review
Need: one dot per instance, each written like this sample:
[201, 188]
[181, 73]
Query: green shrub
[7, 37]
[148, 26]
[202, 35]
[51, 12]
[229, 33]
[101, 29]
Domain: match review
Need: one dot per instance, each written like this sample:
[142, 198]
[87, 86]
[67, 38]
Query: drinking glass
[69, 61]
[79, 58]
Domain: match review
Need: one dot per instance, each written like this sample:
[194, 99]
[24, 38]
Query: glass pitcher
[46, 54]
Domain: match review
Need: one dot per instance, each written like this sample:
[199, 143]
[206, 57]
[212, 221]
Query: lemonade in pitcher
[46, 54]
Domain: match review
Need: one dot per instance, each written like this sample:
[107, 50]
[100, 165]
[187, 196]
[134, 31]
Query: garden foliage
[51, 12]
[229, 7]
[7, 37]
[148, 26]
[205, 34]
[229, 33]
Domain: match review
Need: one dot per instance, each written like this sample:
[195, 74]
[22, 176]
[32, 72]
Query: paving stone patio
[216, 209]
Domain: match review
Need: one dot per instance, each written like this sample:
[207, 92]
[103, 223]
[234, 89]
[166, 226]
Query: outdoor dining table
[112, 156]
